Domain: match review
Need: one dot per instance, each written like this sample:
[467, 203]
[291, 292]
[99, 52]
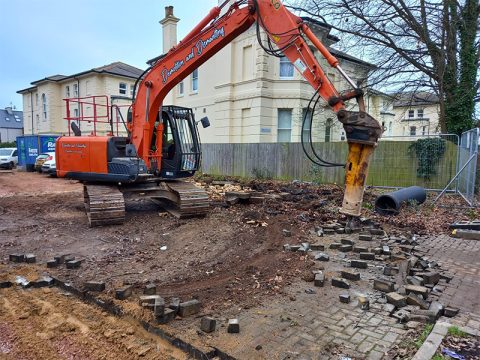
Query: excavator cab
[181, 150]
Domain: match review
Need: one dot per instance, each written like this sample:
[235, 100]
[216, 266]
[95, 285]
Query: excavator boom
[287, 33]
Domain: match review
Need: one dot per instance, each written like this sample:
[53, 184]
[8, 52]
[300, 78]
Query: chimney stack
[169, 29]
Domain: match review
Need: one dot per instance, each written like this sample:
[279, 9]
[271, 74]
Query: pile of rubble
[406, 284]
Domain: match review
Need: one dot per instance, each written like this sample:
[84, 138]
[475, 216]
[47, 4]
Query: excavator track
[104, 205]
[184, 199]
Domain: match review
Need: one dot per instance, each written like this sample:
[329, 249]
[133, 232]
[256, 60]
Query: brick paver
[318, 326]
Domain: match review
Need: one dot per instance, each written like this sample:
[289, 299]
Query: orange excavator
[163, 145]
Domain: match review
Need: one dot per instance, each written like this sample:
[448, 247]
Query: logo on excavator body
[197, 50]
[276, 4]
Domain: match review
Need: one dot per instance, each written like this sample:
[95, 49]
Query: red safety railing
[95, 110]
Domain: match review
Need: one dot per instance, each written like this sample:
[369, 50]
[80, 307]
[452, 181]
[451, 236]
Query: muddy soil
[232, 257]
[50, 324]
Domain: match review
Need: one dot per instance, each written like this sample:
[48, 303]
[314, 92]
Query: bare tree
[417, 45]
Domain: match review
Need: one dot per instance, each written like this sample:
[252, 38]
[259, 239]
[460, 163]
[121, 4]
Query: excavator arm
[288, 33]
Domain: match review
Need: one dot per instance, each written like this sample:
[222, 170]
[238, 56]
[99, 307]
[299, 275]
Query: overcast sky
[43, 38]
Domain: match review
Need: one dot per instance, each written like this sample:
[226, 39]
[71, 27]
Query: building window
[67, 91]
[131, 90]
[284, 125]
[36, 99]
[7, 119]
[328, 130]
[413, 130]
[122, 89]
[286, 68]
[44, 106]
[37, 117]
[390, 124]
[17, 118]
[306, 114]
[420, 113]
[75, 90]
[424, 130]
[75, 113]
[411, 114]
[180, 88]
[195, 80]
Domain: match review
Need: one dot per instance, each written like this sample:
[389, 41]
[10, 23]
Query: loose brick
[377, 251]
[233, 326]
[359, 264]
[386, 250]
[150, 289]
[436, 308]
[334, 246]
[431, 277]
[389, 308]
[286, 233]
[317, 247]
[208, 324]
[17, 258]
[95, 286]
[73, 264]
[341, 283]
[359, 249]
[319, 279]
[346, 248]
[390, 270]
[347, 242]
[415, 300]
[153, 302]
[365, 237]
[350, 275]
[420, 290]
[166, 317]
[344, 298]
[450, 311]
[396, 299]
[340, 230]
[383, 285]
[123, 293]
[30, 258]
[52, 263]
[322, 257]
[149, 299]
[188, 308]
[367, 256]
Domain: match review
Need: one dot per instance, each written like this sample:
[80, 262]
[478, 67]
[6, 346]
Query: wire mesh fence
[468, 153]
[429, 161]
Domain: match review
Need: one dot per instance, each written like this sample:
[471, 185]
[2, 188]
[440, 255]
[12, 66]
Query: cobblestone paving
[462, 259]
[312, 327]
[318, 326]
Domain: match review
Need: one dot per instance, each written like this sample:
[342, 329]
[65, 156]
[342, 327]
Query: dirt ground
[231, 258]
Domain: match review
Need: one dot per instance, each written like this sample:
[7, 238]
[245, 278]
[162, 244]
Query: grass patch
[423, 336]
[455, 331]
[438, 357]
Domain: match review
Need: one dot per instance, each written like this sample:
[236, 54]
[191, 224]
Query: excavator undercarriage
[105, 204]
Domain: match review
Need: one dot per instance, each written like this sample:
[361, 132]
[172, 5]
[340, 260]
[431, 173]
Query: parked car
[41, 159]
[49, 167]
[8, 158]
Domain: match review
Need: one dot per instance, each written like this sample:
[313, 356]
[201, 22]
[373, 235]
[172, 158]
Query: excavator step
[104, 205]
